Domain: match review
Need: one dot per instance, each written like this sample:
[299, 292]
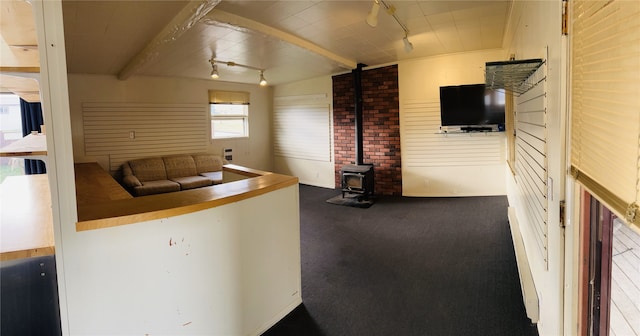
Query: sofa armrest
[131, 181]
[128, 179]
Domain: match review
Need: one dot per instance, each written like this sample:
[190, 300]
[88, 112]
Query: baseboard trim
[529, 294]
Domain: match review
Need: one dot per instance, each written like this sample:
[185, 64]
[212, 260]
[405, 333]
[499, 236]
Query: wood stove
[357, 179]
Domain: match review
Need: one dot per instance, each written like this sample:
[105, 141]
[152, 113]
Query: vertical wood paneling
[158, 129]
[531, 158]
[425, 146]
[302, 127]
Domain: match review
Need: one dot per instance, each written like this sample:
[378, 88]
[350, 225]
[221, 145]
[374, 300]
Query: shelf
[32, 146]
[512, 75]
[26, 222]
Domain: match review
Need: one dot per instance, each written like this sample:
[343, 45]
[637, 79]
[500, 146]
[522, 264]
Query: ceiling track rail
[514, 76]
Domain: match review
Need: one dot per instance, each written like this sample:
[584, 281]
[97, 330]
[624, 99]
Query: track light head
[372, 17]
[372, 20]
[214, 72]
[408, 46]
[214, 69]
[263, 81]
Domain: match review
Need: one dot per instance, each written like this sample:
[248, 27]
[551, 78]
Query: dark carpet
[29, 297]
[406, 266]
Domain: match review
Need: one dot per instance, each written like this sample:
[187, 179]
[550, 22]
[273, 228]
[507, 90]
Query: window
[229, 121]
[10, 131]
[605, 123]
[229, 114]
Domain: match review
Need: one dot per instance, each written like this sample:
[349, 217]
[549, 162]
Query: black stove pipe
[357, 94]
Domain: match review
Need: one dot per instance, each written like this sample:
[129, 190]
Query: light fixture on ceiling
[214, 69]
[372, 20]
[408, 46]
[263, 81]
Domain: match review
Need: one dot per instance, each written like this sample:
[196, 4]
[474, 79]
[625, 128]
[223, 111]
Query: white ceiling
[290, 39]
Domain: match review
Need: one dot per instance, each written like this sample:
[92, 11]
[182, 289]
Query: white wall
[312, 172]
[229, 270]
[201, 273]
[419, 84]
[419, 81]
[534, 27]
[254, 152]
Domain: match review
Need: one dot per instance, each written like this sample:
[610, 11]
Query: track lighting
[214, 72]
[215, 75]
[263, 81]
[408, 46]
[372, 20]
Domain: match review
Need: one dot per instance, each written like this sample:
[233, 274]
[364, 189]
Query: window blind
[302, 132]
[605, 102]
[228, 97]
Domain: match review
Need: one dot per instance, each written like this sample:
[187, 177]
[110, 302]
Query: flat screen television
[471, 105]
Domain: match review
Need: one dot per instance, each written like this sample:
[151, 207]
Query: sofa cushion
[207, 163]
[150, 169]
[156, 187]
[179, 166]
[190, 182]
[215, 177]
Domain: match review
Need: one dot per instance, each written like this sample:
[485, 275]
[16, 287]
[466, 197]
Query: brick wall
[381, 124]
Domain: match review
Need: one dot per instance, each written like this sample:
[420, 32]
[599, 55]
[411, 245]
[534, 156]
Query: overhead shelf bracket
[512, 75]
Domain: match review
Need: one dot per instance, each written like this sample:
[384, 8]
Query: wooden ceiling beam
[219, 17]
[183, 21]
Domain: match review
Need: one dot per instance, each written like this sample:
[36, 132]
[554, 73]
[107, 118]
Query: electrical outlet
[228, 154]
[132, 134]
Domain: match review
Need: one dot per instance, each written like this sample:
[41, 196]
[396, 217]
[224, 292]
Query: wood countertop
[96, 212]
[26, 224]
[94, 185]
[30, 145]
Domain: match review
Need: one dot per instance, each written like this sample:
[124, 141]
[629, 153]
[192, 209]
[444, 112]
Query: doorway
[610, 253]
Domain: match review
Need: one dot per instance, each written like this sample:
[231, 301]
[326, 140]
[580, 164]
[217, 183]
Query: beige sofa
[157, 175]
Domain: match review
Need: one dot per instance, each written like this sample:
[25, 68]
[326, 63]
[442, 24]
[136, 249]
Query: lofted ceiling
[291, 39]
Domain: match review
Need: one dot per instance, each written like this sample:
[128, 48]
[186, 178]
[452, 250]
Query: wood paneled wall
[302, 127]
[531, 158]
[426, 145]
[125, 131]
